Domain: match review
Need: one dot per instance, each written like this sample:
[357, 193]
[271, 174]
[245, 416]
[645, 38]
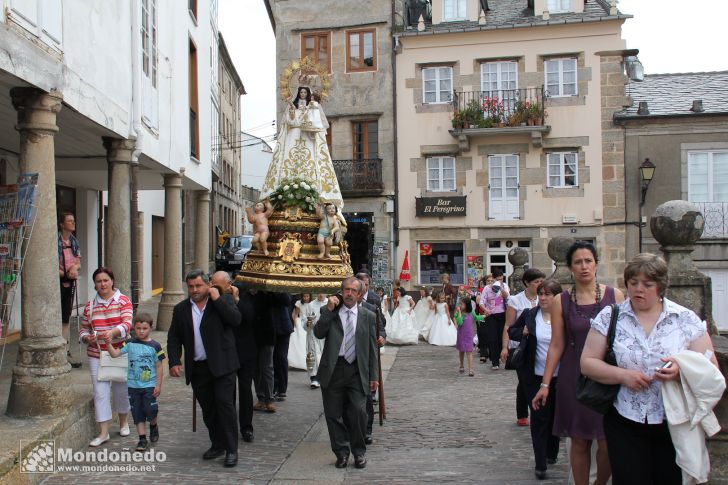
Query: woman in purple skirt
[570, 323]
[464, 344]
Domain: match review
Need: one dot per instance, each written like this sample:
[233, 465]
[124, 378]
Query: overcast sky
[672, 36]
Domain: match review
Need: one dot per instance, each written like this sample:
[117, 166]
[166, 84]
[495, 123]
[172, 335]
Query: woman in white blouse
[650, 330]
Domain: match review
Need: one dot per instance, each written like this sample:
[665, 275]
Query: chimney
[613, 8]
[697, 106]
[643, 109]
[481, 17]
[421, 24]
[546, 15]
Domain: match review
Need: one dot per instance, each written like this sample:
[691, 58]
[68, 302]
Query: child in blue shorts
[144, 378]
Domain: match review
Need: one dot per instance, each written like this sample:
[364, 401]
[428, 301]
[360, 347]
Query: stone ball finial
[677, 223]
[518, 256]
[558, 246]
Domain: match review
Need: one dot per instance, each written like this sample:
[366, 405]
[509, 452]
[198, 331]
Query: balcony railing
[716, 219]
[415, 8]
[499, 109]
[359, 177]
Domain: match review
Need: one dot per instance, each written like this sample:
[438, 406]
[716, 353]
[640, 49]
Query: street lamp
[647, 172]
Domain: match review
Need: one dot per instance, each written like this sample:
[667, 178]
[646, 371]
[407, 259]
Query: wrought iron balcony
[499, 109]
[359, 177]
[716, 219]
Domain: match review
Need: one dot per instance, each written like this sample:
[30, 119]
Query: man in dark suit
[373, 303]
[348, 370]
[203, 325]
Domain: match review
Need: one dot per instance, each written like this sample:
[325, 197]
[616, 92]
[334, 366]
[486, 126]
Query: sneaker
[143, 445]
[495, 367]
[125, 431]
[315, 384]
[72, 362]
[522, 421]
[270, 408]
[153, 434]
[280, 396]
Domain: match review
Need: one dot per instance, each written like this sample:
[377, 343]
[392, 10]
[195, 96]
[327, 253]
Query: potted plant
[536, 113]
[520, 114]
[458, 119]
[473, 114]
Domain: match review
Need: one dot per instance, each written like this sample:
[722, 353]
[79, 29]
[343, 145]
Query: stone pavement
[440, 427]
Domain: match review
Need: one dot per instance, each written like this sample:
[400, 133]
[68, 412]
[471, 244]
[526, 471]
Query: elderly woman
[536, 322]
[106, 317]
[650, 330]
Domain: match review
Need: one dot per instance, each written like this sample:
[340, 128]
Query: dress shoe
[552, 461]
[248, 436]
[360, 461]
[540, 474]
[212, 453]
[341, 461]
[259, 406]
[124, 430]
[231, 459]
[270, 408]
[368, 439]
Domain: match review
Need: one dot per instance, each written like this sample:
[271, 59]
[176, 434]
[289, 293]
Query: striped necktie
[349, 347]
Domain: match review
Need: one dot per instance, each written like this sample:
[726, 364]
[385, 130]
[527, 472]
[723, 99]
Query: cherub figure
[328, 229]
[259, 220]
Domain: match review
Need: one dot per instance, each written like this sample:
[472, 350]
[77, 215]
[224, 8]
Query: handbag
[595, 395]
[517, 357]
[110, 368]
[113, 369]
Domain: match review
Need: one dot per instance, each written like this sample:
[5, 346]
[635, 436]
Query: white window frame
[441, 164]
[710, 176]
[558, 159]
[457, 8]
[560, 71]
[439, 80]
[42, 18]
[507, 212]
[506, 80]
[558, 6]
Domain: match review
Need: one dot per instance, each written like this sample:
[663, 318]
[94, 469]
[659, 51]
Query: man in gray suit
[348, 370]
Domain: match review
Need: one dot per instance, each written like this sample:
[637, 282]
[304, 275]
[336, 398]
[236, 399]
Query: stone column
[202, 231]
[40, 384]
[118, 221]
[557, 250]
[677, 225]
[173, 289]
[518, 258]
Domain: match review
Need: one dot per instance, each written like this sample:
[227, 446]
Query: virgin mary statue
[301, 150]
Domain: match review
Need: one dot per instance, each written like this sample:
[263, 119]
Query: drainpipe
[137, 134]
[395, 223]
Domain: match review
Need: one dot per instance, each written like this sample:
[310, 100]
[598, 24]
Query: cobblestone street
[441, 427]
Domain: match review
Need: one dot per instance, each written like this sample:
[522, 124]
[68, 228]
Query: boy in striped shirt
[144, 377]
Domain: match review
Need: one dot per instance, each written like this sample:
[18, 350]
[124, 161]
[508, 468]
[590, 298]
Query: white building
[138, 81]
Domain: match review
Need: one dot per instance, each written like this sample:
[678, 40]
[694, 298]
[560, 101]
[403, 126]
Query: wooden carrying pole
[194, 412]
[382, 407]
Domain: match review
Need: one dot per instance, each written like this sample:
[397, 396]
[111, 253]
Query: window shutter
[51, 17]
[25, 12]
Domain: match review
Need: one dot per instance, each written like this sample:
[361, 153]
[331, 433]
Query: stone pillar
[173, 289]
[518, 258]
[557, 250]
[677, 225]
[202, 231]
[118, 222]
[40, 384]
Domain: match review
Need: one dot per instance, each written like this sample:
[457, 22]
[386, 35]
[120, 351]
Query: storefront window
[438, 258]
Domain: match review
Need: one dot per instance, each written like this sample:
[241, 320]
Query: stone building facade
[353, 39]
[505, 135]
[680, 123]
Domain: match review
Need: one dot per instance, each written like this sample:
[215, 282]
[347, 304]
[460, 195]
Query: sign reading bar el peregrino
[440, 206]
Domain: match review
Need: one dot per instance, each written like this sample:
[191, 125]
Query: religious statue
[301, 149]
[259, 220]
[329, 230]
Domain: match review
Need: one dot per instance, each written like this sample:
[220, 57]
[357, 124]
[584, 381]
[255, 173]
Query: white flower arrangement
[295, 192]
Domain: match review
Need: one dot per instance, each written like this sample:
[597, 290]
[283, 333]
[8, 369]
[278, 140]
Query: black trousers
[545, 444]
[67, 301]
[263, 377]
[483, 339]
[345, 409]
[215, 395]
[494, 327]
[521, 399]
[245, 393]
[280, 364]
[640, 453]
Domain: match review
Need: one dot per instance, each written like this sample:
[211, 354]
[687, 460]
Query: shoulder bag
[110, 368]
[595, 395]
